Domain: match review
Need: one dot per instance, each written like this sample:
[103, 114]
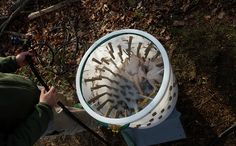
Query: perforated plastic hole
[151, 120]
[162, 110]
[169, 107]
[174, 95]
[175, 83]
[153, 114]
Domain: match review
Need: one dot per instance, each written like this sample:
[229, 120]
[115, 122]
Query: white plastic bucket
[126, 78]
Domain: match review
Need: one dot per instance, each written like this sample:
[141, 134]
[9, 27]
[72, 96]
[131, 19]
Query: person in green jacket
[25, 111]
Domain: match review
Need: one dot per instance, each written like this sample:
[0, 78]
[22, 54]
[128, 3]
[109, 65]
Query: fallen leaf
[163, 30]
[149, 21]
[185, 7]
[221, 15]
[178, 23]
[207, 17]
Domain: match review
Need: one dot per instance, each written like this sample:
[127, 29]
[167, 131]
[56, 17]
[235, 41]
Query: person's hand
[49, 97]
[21, 58]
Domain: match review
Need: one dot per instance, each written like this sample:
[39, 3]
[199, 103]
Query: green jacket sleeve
[8, 64]
[30, 131]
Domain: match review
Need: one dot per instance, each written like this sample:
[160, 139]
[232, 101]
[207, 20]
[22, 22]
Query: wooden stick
[109, 111]
[98, 96]
[129, 46]
[95, 60]
[49, 9]
[150, 46]
[93, 79]
[120, 53]
[104, 103]
[138, 50]
[112, 81]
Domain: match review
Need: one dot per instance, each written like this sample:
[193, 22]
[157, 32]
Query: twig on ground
[13, 15]
[49, 9]
[204, 102]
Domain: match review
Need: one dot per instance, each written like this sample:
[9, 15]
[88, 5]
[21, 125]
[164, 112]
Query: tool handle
[67, 112]
[34, 70]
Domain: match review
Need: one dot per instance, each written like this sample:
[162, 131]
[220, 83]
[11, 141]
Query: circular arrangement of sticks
[121, 75]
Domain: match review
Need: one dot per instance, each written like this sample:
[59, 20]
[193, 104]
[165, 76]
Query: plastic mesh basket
[126, 78]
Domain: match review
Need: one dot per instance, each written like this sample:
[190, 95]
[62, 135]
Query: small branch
[204, 102]
[12, 16]
[49, 9]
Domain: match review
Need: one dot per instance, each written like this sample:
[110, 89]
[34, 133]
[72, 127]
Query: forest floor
[199, 36]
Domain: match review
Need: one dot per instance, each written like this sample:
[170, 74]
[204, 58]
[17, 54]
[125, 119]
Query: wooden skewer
[109, 111]
[145, 97]
[122, 77]
[123, 93]
[137, 86]
[126, 113]
[112, 61]
[148, 49]
[143, 102]
[111, 51]
[110, 46]
[138, 50]
[131, 110]
[117, 114]
[95, 60]
[112, 81]
[100, 86]
[93, 79]
[105, 60]
[116, 96]
[129, 46]
[122, 113]
[108, 69]
[111, 54]
[99, 69]
[98, 96]
[120, 53]
[104, 103]
[156, 55]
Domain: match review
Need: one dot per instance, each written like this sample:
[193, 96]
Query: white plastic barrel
[126, 78]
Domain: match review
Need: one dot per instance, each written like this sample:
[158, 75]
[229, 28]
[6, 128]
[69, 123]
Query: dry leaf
[207, 17]
[178, 23]
[221, 15]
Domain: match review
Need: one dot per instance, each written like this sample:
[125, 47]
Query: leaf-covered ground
[199, 36]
